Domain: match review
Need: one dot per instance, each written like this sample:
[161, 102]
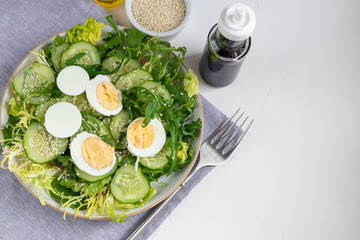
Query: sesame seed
[159, 15]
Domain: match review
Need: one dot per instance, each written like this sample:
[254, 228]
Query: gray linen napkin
[24, 24]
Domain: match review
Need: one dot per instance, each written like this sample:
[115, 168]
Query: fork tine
[227, 131]
[222, 126]
[231, 138]
[238, 141]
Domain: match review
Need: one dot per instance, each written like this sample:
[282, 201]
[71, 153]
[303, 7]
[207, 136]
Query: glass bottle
[227, 45]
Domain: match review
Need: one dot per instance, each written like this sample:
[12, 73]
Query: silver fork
[213, 153]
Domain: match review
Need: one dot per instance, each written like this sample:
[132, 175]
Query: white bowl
[165, 35]
[172, 181]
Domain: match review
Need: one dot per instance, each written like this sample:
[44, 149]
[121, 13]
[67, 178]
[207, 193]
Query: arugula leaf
[58, 187]
[96, 69]
[8, 135]
[133, 37]
[74, 59]
[64, 160]
[150, 112]
[113, 25]
[161, 59]
[113, 42]
[94, 125]
[111, 46]
[58, 40]
[48, 51]
[188, 130]
[133, 40]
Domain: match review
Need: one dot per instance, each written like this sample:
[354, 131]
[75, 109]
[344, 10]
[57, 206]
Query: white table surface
[297, 173]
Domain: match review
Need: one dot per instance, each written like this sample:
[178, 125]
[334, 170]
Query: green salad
[96, 117]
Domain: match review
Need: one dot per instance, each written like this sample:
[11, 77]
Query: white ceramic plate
[173, 181]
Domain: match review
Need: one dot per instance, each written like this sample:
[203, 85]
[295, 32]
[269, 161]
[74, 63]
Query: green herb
[58, 40]
[73, 60]
[113, 41]
[113, 25]
[79, 185]
[133, 40]
[94, 70]
[96, 126]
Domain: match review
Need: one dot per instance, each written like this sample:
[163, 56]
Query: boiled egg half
[145, 141]
[103, 96]
[72, 80]
[63, 119]
[91, 154]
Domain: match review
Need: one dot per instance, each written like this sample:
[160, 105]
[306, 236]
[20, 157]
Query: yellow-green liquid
[108, 4]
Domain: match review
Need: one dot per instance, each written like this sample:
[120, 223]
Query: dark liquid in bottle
[222, 59]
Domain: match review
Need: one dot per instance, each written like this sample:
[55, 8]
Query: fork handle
[146, 222]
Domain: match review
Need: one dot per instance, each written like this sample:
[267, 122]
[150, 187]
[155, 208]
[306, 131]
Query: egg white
[79, 161]
[93, 100]
[72, 80]
[155, 147]
[63, 119]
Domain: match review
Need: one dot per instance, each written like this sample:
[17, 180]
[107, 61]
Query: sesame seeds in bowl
[163, 18]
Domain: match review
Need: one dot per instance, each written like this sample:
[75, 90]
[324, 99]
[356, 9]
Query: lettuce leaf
[14, 107]
[89, 32]
[78, 185]
[182, 151]
[191, 83]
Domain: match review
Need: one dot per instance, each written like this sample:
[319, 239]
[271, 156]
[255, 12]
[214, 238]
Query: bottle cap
[237, 22]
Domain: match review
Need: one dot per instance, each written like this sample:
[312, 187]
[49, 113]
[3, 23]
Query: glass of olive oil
[117, 9]
[108, 4]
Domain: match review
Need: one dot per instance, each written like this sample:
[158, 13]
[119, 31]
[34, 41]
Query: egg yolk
[97, 153]
[107, 96]
[139, 136]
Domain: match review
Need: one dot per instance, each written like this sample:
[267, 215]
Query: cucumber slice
[56, 55]
[127, 65]
[91, 56]
[41, 109]
[118, 123]
[87, 177]
[106, 120]
[83, 104]
[158, 161]
[32, 78]
[41, 147]
[128, 185]
[157, 89]
[132, 79]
